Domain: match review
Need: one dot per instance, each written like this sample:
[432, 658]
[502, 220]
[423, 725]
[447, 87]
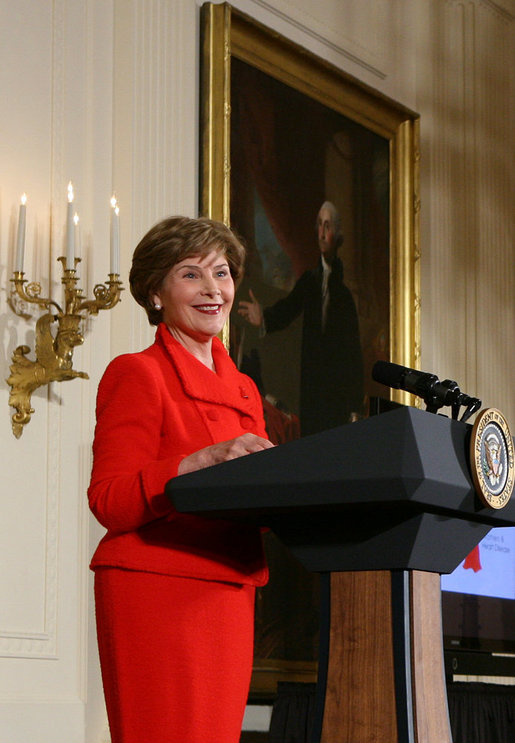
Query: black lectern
[380, 508]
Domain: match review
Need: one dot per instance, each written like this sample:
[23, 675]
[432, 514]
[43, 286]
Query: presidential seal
[491, 458]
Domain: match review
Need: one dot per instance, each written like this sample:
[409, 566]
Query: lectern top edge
[402, 455]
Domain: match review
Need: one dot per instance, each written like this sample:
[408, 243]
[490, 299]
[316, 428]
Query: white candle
[70, 231]
[115, 236]
[77, 234]
[20, 237]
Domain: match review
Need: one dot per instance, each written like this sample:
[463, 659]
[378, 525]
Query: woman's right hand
[247, 443]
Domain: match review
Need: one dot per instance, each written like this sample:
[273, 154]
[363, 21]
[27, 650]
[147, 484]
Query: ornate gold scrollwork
[54, 353]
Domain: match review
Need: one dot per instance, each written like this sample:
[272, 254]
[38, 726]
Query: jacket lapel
[227, 387]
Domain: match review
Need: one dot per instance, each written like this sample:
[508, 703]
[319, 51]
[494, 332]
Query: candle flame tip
[24, 199]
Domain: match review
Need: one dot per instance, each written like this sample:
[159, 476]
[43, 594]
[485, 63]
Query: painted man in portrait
[331, 383]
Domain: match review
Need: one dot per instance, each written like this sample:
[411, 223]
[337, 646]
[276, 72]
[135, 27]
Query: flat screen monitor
[478, 598]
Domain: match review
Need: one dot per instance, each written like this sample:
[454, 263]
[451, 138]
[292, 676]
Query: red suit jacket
[153, 409]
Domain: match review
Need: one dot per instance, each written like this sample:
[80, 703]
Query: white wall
[105, 93]
[55, 81]
[465, 95]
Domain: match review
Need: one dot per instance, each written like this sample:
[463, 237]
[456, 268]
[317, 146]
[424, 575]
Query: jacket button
[246, 422]
[213, 415]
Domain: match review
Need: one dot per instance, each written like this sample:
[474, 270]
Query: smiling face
[197, 296]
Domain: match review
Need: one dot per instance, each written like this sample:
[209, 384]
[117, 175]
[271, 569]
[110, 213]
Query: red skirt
[176, 656]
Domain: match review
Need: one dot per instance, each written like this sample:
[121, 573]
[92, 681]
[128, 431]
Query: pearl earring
[157, 307]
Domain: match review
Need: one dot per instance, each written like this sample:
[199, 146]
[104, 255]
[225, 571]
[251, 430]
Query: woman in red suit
[175, 593]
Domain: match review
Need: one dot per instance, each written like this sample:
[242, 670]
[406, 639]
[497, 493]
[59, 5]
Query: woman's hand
[248, 443]
[251, 311]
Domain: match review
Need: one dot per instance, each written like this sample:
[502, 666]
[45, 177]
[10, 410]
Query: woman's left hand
[247, 443]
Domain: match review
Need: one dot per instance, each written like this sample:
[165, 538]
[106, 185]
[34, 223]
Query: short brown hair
[173, 240]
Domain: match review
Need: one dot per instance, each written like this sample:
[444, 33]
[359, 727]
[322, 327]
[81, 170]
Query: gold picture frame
[230, 39]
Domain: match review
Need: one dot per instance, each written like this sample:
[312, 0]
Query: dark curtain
[273, 142]
[292, 715]
[479, 713]
[482, 713]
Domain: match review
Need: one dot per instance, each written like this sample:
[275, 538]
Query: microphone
[435, 394]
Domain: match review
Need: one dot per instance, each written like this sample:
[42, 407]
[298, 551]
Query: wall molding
[351, 51]
[505, 12]
[33, 644]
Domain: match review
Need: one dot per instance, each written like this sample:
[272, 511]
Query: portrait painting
[318, 176]
[290, 155]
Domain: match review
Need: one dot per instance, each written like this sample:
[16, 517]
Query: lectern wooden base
[385, 679]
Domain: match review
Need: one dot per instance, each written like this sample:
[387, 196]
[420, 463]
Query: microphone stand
[434, 393]
[448, 393]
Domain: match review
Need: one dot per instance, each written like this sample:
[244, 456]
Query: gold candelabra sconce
[54, 351]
